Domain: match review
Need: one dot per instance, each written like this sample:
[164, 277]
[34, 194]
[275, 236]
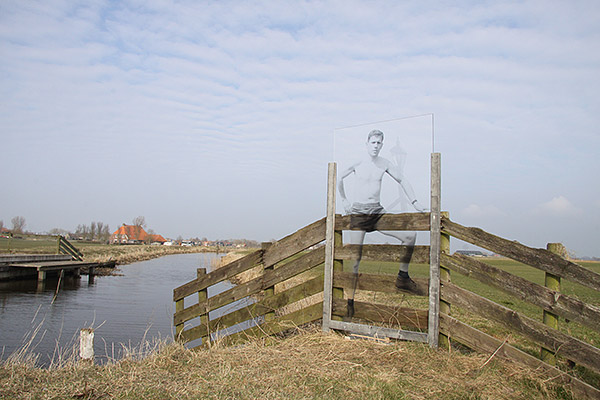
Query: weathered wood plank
[556, 302]
[280, 324]
[295, 243]
[378, 331]
[269, 278]
[258, 309]
[485, 343]
[555, 341]
[538, 258]
[377, 283]
[221, 274]
[54, 265]
[391, 222]
[384, 252]
[396, 316]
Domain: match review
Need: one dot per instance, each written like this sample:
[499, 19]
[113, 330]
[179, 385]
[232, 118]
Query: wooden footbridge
[68, 261]
[301, 279]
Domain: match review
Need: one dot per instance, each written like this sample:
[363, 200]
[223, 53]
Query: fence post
[433, 326]
[330, 242]
[179, 306]
[552, 282]
[270, 291]
[86, 345]
[445, 307]
[203, 296]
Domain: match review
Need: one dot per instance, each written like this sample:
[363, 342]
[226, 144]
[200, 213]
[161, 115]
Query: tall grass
[306, 365]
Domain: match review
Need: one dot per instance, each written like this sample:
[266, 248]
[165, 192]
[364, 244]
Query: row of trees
[98, 231]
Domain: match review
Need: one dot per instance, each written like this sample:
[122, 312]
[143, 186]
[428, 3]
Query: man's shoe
[406, 284]
[350, 309]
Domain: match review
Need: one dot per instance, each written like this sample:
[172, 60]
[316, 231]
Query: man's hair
[375, 132]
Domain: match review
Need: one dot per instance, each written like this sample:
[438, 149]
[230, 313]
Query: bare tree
[1, 224]
[140, 221]
[105, 233]
[93, 231]
[18, 224]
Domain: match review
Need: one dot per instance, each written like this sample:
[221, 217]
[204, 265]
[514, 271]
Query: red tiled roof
[137, 233]
[157, 238]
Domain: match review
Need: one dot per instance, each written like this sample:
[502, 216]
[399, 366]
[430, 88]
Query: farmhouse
[132, 234]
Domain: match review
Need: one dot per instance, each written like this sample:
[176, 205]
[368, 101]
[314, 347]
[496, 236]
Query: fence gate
[335, 252]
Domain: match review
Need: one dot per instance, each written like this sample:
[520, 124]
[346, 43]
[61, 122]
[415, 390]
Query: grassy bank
[307, 365]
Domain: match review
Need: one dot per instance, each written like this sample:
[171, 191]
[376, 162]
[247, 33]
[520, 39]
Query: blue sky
[216, 118]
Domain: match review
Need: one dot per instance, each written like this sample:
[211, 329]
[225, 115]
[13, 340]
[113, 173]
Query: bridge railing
[63, 246]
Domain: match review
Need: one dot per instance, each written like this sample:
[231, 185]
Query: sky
[216, 119]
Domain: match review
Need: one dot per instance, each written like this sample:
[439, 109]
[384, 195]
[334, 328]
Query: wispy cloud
[225, 90]
[559, 206]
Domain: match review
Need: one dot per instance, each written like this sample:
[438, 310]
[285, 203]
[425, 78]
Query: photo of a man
[365, 210]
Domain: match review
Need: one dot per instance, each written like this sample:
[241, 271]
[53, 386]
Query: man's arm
[405, 185]
[342, 190]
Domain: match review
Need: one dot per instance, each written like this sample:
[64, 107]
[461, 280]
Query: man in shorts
[366, 211]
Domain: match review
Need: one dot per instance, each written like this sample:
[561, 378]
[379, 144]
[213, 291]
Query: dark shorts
[365, 216]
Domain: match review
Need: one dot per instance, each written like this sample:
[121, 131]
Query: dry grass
[307, 365]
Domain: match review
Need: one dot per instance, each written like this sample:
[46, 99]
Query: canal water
[130, 311]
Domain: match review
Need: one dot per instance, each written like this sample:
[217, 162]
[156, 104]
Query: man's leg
[408, 239]
[356, 237]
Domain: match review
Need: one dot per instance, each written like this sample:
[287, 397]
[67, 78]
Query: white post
[86, 345]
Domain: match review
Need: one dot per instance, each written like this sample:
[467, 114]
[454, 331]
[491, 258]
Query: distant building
[472, 253]
[131, 234]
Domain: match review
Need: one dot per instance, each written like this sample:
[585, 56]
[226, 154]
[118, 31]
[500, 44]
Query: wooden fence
[291, 269]
[555, 344]
[273, 287]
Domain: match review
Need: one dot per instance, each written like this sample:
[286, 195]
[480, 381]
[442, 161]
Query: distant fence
[63, 246]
